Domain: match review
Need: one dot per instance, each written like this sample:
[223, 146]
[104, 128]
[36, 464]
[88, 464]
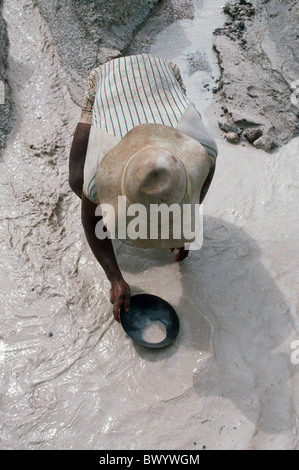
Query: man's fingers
[127, 301]
[116, 308]
[123, 300]
[182, 254]
[179, 255]
[119, 295]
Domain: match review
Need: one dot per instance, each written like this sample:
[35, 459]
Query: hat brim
[110, 170]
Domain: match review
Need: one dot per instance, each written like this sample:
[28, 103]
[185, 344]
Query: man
[141, 138]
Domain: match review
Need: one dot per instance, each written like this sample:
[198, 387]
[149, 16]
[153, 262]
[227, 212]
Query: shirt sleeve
[178, 76]
[89, 97]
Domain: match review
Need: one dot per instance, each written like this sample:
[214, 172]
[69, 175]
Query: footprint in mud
[255, 92]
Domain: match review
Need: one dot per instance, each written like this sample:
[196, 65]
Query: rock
[226, 127]
[232, 137]
[266, 143]
[253, 134]
[238, 13]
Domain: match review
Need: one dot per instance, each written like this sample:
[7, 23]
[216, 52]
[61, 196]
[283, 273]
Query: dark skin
[103, 249]
[104, 253]
[77, 157]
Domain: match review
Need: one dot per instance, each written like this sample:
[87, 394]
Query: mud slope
[258, 55]
[6, 106]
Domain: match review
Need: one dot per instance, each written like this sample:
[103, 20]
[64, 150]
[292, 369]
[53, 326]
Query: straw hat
[152, 165]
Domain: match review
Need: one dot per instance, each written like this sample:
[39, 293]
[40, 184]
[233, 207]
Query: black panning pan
[150, 321]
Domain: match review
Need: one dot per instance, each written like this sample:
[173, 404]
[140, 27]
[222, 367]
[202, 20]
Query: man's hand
[119, 295]
[181, 254]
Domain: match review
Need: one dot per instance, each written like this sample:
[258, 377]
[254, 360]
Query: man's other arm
[77, 157]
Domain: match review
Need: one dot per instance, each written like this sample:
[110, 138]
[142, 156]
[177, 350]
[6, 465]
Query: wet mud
[70, 376]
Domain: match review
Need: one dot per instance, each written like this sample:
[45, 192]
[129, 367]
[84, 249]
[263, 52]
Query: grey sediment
[258, 59]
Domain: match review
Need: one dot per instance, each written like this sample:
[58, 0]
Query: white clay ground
[70, 377]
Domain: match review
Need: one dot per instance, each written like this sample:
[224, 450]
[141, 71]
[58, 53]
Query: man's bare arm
[104, 253]
[77, 157]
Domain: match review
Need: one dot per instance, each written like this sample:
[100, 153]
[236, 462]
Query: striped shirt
[129, 91]
[124, 93]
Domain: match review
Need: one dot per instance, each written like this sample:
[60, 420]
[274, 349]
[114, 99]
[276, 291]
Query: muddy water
[70, 377]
